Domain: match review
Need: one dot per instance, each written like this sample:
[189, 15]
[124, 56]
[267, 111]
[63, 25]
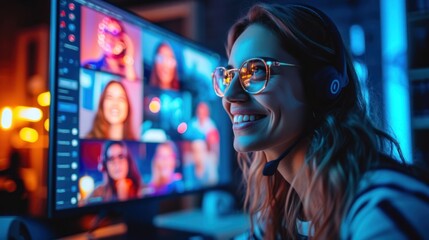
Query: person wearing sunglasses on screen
[315, 164]
[121, 178]
[164, 73]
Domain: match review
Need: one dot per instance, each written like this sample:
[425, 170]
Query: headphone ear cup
[325, 86]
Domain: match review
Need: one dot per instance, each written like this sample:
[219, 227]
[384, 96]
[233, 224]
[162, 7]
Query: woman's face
[110, 38]
[199, 152]
[203, 111]
[165, 161]
[115, 105]
[165, 66]
[272, 119]
[113, 45]
[117, 163]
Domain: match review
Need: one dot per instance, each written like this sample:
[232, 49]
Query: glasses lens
[220, 80]
[120, 156]
[253, 75]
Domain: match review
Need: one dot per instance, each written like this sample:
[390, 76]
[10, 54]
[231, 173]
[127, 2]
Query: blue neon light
[395, 77]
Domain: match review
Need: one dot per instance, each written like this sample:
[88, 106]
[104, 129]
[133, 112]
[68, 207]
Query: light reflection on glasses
[253, 74]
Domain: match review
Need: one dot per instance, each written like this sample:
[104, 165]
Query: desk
[185, 225]
[213, 227]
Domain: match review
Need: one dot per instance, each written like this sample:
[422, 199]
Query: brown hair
[154, 78]
[133, 173]
[155, 160]
[343, 145]
[100, 126]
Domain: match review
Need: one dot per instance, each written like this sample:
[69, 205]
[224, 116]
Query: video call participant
[314, 163]
[165, 161]
[121, 179]
[117, 48]
[203, 126]
[164, 73]
[201, 168]
[113, 118]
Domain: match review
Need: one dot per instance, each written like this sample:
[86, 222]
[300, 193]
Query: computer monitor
[133, 113]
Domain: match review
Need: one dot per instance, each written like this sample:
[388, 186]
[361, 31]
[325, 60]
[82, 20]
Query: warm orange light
[29, 135]
[86, 186]
[46, 124]
[30, 114]
[6, 118]
[155, 105]
[9, 185]
[44, 99]
[30, 177]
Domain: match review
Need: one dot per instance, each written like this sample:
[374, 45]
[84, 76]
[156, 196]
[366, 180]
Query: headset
[323, 85]
[326, 82]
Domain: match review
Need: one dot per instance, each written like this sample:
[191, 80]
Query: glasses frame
[121, 156]
[268, 62]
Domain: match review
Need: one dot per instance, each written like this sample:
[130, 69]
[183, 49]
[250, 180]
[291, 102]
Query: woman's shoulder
[101, 193]
[390, 201]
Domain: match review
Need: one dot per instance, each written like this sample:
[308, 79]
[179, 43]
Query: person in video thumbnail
[164, 71]
[205, 162]
[117, 48]
[165, 179]
[121, 180]
[201, 167]
[113, 117]
[202, 125]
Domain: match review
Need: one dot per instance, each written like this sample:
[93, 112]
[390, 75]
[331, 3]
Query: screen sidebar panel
[65, 96]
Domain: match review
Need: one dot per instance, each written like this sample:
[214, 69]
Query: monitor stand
[215, 219]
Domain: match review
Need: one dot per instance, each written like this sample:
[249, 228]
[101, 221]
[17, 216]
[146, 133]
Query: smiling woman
[113, 118]
[122, 180]
[164, 74]
[292, 95]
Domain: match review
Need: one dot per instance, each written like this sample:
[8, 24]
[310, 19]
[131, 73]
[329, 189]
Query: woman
[293, 96]
[122, 180]
[165, 179]
[164, 72]
[117, 49]
[113, 118]
[203, 126]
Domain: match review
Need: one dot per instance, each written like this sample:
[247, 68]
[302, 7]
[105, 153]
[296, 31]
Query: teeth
[245, 118]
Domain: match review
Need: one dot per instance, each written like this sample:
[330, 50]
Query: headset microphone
[271, 167]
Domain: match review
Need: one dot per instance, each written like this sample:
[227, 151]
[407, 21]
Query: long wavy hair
[100, 126]
[133, 173]
[154, 77]
[156, 176]
[343, 144]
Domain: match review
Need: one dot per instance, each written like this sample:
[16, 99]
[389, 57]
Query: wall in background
[209, 27]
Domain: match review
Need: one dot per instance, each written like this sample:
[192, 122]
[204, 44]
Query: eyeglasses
[120, 157]
[253, 75]
[170, 61]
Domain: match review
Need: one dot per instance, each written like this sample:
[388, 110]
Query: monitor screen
[133, 112]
